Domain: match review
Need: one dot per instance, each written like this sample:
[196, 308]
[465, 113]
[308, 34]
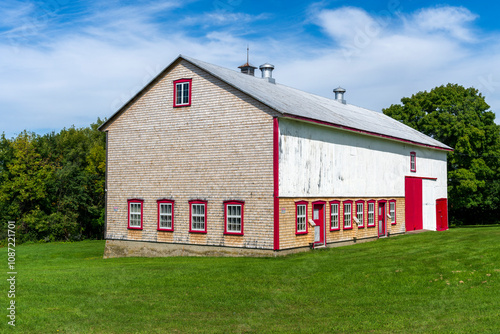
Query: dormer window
[182, 93]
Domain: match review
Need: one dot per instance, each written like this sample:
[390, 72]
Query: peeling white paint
[318, 161]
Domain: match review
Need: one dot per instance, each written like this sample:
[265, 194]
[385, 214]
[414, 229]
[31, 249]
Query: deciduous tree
[459, 117]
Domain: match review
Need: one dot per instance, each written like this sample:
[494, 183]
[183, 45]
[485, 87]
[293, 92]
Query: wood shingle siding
[217, 149]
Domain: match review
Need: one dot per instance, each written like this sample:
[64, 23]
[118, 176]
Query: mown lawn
[433, 282]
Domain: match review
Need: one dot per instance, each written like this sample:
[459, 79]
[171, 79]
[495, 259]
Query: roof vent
[267, 72]
[339, 94]
[247, 68]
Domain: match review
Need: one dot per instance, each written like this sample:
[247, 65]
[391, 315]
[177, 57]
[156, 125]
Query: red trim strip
[422, 178]
[364, 132]
[276, 161]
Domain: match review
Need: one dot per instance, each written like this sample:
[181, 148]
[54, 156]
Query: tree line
[52, 185]
[460, 118]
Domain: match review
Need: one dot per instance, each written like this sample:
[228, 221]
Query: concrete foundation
[128, 248]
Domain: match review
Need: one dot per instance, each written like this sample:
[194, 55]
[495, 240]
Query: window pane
[335, 215]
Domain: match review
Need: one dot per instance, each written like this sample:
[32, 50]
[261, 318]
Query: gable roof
[294, 103]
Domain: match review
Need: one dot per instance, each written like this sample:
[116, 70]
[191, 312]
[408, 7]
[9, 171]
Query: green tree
[53, 185]
[459, 117]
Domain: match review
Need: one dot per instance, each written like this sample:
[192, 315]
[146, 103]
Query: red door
[319, 220]
[441, 214]
[381, 219]
[413, 203]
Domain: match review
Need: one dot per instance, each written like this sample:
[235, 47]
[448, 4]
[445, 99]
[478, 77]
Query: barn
[209, 161]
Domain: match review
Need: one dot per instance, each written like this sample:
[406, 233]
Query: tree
[53, 185]
[459, 117]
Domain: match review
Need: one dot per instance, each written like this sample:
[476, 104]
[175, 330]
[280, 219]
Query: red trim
[189, 92]
[372, 201]
[363, 219]
[395, 210]
[413, 162]
[365, 132]
[338, 215]
[297, 232]
[343, 215]
[226, 203]
[190, 216]
[165, 201]
[135, 201]
[421, 178]
[276, 162]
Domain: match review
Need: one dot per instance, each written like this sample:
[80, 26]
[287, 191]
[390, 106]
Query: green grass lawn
[433, 282]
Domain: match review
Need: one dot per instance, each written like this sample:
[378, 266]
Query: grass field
[433, 282]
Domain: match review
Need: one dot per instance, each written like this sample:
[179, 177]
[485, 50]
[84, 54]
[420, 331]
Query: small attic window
[182, 93]
[413, 162]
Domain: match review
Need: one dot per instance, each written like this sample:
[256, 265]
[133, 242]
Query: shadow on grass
[476, 226]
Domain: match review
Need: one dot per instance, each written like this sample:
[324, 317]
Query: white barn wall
[319, 161]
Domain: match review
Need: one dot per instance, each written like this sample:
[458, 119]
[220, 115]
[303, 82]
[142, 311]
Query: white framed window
[135, 214]
[392, 211]
[334, 216]
[165, 215]
[371, 214]
[413, 162]
[198, 216]
[301, 217]
[347, 215]
[233, 211]
[360, 207]
[182, 92]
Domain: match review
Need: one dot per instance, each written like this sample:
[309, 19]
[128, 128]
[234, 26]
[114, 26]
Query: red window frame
[226, 204]
[393, 201]
[297, 232]
[338, 216]
[343, 215]
[129, 203]
[362, 222]
[413, 162]
[159, 203]
[197, 202]
[190, 86]
[368, 214]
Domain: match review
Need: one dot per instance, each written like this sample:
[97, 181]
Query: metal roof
[298, 104]
[294, 103]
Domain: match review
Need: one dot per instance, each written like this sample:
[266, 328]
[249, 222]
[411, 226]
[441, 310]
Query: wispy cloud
[80, 63]
[452, 20]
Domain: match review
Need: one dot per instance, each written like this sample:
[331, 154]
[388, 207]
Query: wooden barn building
[211, 161]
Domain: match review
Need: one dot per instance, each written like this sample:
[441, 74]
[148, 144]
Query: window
[360, 208]
[347, 215]
[413, 162]
[392, 211]
[135, 214]
[182, 93]
[301, 217]
[165, 215]
[198, 216]
[233, 213]
[334, 216]
[371, 213]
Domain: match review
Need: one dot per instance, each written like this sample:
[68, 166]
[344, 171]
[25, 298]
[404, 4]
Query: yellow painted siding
[220, 148]
[289, 238]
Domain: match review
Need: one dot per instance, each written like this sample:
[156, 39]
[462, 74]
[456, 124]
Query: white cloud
[448, 19]
[346, 24]
[91, 70]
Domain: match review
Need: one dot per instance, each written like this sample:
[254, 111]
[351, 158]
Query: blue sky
[66, 63]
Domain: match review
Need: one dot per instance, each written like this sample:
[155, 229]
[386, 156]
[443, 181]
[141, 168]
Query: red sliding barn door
[413, 203]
